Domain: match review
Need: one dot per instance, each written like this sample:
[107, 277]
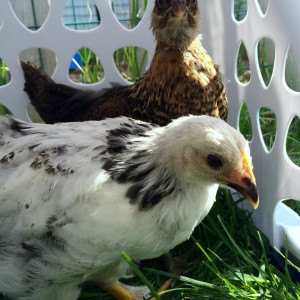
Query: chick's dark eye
[214, 161]
[160, 3]
[192, 5]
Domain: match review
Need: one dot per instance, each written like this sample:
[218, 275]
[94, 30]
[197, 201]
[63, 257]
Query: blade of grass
[139, 273]
[184, 279]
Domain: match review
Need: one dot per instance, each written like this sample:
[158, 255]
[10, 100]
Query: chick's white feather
[73, 196]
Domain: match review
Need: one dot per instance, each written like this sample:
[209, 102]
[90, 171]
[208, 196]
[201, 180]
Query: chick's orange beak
[243, 181]
[179, 8]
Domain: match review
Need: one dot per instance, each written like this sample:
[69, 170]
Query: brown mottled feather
[181, 80]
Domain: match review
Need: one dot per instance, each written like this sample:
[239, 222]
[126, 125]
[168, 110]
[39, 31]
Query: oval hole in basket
[268, 126]
[129, 12]
[4, 73]
[293, 141]
[4, 110]
[131, 62]
[243, 71]
[240, 9]
[85, 67]
[293, 204]
[266, 58]
[245, 124]
[34, 115]
[263, 5]
[40, 57]
[81, 15]
[32, 14]
[292, 69]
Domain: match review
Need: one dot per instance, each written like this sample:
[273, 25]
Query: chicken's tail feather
[51, 100]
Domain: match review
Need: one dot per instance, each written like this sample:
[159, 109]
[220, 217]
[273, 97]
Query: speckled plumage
[181, 80]
[73, 196]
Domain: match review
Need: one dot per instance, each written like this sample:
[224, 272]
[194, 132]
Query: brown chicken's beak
[179, 8]
[243, 182]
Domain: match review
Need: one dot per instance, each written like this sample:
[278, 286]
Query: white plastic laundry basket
[277, 177]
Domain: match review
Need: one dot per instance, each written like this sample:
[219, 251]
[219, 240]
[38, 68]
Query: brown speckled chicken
[181, 80]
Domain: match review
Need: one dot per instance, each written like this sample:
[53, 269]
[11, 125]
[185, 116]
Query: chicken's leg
[125, 292]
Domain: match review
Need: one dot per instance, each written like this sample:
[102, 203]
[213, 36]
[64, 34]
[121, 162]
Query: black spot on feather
[131, 173]
[51, 220]
[109, 164]
[43, 161]
[117, 148]
[98, 147]
[63, 171]
[11, 155]
[52, 241]
[155, 193]
[28, 247]
[134, 169]
[140, 154]
[30, 148]
[16, 125]
[7, 157]
[62, 149]
[122, 131]
[117, 138]
[102, 149]
[116, 141]
[29, 253]
[44, 154]
[136, 128]
[133, 193]
[36, 164]
[149, 196]
[50, 170]
[128, 125]
[20, 127]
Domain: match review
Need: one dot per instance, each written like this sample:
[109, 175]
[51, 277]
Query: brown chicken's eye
[192, 6]
[214, 161]
[160, 3]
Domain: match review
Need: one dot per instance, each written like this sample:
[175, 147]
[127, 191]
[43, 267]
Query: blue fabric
[73, 65]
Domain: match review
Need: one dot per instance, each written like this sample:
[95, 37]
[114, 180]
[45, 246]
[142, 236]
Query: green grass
[293, 141]
[240, 9]
[4, 73]
[229, 261]
[265, 49]
[243, 68]
[131, 61]
[4, 79]
[92, 70]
